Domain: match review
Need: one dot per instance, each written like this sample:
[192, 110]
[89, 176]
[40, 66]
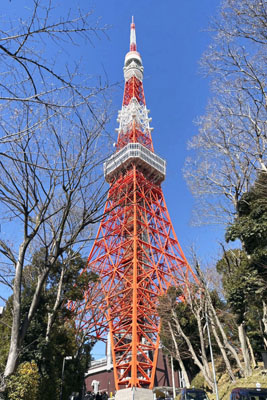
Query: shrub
[198, 382]
[24, 384]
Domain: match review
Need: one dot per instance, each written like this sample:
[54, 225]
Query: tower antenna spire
[133, 36]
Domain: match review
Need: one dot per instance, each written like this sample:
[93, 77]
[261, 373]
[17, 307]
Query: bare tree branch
[232, 140]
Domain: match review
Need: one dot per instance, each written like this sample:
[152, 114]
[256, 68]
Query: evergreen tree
[48, 351]
[240, 282]
[245, 272]
[250, 226]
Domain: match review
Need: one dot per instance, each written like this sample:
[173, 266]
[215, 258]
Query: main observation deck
[151, 165]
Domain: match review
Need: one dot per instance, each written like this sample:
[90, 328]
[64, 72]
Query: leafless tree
[52, 134]
[34, 72]
[177, 354]
[227, 335]
[51, 207]
[172, 321]
[232, 139]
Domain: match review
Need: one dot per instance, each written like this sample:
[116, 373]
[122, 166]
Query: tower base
[134, 394]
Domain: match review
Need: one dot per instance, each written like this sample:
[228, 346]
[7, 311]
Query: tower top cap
[133, 61]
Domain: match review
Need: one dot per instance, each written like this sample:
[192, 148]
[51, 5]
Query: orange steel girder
[137, 257]
[133, 88]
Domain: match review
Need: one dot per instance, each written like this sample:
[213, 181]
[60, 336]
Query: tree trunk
[222, 350]
[19, 329]
[206, 375]
[14, 339]
[34, 304]
[52, 315]
[179, 358]
[202, 344]
[243, 341]
[226, 343]
[263, 166]
[264, 321]
[253, 361]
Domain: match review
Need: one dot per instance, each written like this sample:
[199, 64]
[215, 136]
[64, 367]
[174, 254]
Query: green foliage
[241, 284]
[250, 227]
[62, 343]
[48, 355]
[63, 340]
[237, 281]
[198, 382]
[24, 384]
[74, 371]
[244, 272]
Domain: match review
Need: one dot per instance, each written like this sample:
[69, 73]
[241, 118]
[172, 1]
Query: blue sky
[171, 36]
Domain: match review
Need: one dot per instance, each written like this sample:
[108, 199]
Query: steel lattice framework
[136, 252]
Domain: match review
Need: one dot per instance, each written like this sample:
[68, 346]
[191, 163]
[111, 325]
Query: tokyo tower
[136, 253]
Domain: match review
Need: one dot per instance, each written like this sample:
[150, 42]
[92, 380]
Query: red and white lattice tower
[136, 252]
